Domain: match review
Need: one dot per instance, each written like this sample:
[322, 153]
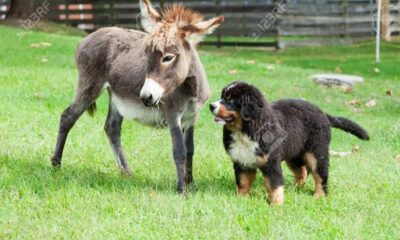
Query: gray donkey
[155, 77]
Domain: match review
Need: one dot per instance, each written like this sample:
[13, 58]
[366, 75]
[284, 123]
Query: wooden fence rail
[272, 23]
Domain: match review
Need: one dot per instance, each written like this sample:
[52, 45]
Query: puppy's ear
[245, 114]
[250, 109]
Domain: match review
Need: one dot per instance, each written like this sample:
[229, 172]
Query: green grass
[89, 199]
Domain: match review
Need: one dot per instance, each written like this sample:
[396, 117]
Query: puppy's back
[301, 120]
[300, 110]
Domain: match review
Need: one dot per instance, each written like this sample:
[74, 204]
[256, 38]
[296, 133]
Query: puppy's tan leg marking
[276, 195]
[300, 174]
[311, 162]
[261, 161]
[246, 179]
[319, 191]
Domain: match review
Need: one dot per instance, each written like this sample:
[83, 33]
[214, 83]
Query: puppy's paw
[319, 194]
[242, 192]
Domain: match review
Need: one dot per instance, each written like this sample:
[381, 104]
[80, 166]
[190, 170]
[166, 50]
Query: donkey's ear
[149, 16]
[194, 33]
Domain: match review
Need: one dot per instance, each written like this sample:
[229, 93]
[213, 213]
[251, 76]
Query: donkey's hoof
[182, 191]
[126, 172]
[193, 187]
[190, 184]
[183, 194]
[56, 162]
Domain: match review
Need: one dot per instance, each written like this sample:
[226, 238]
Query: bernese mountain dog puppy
[260, 135]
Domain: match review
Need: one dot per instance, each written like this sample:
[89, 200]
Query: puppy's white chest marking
[243, 150]
[136, 110]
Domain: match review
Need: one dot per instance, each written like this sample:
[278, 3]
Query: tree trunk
[21, 9]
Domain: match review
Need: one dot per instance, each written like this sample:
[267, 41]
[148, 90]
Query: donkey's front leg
[189, 143]
[179, 152]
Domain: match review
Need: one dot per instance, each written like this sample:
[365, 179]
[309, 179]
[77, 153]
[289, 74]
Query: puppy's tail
[348, 126]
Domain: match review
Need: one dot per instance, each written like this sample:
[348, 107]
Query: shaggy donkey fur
[260, 135]
[155, 77]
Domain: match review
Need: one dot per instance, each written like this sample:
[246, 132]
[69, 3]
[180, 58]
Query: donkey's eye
[168, 58]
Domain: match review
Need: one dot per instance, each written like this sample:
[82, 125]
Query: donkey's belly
[131, 109]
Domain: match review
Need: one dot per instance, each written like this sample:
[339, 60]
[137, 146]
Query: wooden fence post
[66, 12]
[112, 13]
[345, 14]
[218, 43]
[278, 25]
[385, 20]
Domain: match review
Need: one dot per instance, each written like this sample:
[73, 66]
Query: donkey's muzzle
[151, 92]
[148, 101]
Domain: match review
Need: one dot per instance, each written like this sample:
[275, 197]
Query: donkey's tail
[348, 126]
[92, 109]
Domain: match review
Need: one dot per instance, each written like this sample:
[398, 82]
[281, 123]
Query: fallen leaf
[389, 93]
[270, 67]
[38, 96]
[153, 194]
[347, 88]
[45, 44]
[251, 61]
[398, 158]
[328, 99]
[354, 102]
[357, 110]
[233, 72]
[35, 45]
[338, 70]
[355, 149]
[41, 44]
[340, 154]
[376, 70]
[371, 103]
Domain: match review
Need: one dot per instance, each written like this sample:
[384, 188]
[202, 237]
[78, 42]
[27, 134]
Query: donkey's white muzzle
[151, 92]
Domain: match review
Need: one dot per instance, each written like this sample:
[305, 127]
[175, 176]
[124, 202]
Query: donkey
[155, 77]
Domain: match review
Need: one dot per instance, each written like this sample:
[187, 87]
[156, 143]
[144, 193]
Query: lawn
[89, 199]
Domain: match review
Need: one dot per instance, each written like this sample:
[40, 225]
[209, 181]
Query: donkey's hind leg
[67, 121]
[87, 93]
[112, 128]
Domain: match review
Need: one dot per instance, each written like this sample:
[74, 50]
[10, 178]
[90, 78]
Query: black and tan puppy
[260, 135]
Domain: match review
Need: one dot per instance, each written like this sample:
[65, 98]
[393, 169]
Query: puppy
[260, 135]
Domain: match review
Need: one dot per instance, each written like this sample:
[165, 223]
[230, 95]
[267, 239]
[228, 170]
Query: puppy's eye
[168, 58]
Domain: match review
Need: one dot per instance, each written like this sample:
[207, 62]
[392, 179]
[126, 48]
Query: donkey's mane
[167, 33]
[182, 16]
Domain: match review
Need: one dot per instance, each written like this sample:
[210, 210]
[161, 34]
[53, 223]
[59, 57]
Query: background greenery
[89, 199]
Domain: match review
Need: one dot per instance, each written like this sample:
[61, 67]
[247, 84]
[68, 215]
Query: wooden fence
[271, 23]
